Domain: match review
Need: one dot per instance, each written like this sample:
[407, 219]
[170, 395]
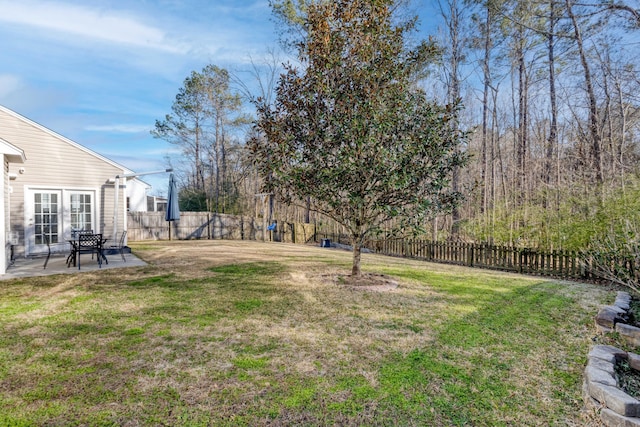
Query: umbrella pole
[173, 210]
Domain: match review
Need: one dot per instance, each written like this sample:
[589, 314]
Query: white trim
[11, 152]
[60, 187]
[64, 213]
[29, 219]
[3, 217]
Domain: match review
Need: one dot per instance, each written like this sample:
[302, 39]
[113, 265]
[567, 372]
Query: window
[81, 209]
[46, 217]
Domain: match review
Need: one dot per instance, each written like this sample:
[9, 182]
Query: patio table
[87, 243]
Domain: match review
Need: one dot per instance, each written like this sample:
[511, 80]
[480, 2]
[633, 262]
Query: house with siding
[10, 155]
[54, 185]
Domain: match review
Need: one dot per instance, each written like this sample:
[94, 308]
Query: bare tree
[452, 12]
[594, 131]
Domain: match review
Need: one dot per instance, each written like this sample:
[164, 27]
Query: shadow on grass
[517, 358]
[191, 351]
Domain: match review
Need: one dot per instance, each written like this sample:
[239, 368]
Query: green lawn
[239, 333]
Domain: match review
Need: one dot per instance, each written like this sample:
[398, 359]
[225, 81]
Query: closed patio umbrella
[173, 210]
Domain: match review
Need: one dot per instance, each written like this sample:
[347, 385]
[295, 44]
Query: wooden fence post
[559, 263]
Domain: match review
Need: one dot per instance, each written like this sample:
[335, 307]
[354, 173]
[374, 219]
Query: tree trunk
[494, 141]
[486, 70]
[223, 166]
[623, 131]
[434, 229]
[199, 184]
[522, 120]
[307, 210]
[596, 149]
[552, 141]
[452, 17]
[608, 114]
[216, 154]
[356, 243]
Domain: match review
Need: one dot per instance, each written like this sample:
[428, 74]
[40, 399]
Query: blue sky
[100, 72]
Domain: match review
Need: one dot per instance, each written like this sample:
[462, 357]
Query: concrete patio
[29, 267]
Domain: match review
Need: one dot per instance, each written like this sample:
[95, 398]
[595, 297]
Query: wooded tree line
[550, 92]
[551, 89]
[208, 124]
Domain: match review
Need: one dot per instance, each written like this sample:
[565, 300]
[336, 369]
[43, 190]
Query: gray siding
[7, 225]
[55, 163]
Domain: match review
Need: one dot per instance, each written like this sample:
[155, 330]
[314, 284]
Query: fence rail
[192, 225]
[202, 225]
[562, 264]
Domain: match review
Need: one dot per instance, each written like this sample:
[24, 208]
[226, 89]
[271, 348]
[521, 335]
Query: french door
[53, 215]
[46, 219]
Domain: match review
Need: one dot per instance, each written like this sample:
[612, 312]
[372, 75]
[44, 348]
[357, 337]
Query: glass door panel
[81, 212]
[46, 209]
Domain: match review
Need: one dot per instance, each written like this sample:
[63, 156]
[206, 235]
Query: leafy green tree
[353, 130]
[192, 200]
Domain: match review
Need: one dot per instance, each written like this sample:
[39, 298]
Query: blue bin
[325, 243]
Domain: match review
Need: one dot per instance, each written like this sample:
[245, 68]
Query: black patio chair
[46, 240]
[120, 245]
[75, 232]
[90, 244]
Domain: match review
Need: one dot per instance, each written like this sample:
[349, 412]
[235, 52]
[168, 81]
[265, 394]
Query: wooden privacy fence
[207, 225]
[192, 225]
[563, 264]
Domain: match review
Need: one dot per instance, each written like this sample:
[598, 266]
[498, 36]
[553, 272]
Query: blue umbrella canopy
[173, 210]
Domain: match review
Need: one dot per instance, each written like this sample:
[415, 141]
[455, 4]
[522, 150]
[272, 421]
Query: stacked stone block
[601, 386]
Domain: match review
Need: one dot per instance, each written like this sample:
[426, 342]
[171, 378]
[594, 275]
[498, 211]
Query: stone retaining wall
[601, 387]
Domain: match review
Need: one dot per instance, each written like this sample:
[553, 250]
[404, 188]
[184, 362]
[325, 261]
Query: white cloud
[118, 128]
[80, 21]
[9, 84]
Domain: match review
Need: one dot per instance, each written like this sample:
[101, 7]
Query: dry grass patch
[246, 333]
